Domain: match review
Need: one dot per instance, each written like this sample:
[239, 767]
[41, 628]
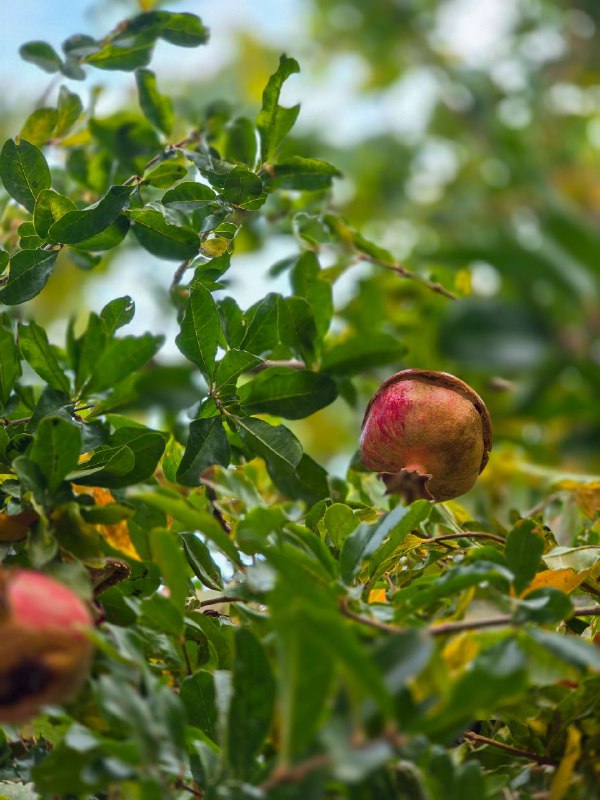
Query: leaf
[302, 174]
[207, 445]
[165, 174]
[197, 693]
[120, 358]
[252, 704]
[274, 122]
[398, 525]
[147, 446]
[565, 580]
[39, 126]
[42, 54]
[571, 649]
[241, 142]
[159, 237]
[233, 364]
[106, 465]
[201, 561]
[297, 327]
[157, 108]
[50, 206]
[579, 559]
[189, 196]
[561, 779]
[183, 29]
[70, 108]
[307, 282]
[200, 331]
[29, 273]
[193, 519]
[261, 326]
[77, 226]
[167, 553]
[117, 313]
[289, 393]
[307, 481]
[24, 172]
[36, 350]
[90, 348]
[10, 366]
[545, 605]
[244, 189]
[275, 443]
[56, 449]
[523, 552]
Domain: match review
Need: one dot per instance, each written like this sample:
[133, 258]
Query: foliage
[265, 627]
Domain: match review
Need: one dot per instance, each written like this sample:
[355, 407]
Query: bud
[427, 433]
[44, 653]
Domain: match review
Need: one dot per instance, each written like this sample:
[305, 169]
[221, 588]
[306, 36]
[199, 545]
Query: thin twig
[466, 535]
[214, 601]
[179, 272]
[179, 784]
[406, 273]
[453, 627]
[591, 589]
[477, 738]
[291, 364]
[7, 422]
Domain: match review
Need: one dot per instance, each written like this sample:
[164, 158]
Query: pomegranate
[427, 433]
[45, 653]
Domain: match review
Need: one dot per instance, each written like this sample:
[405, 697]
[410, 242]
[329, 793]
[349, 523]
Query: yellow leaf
[377, 596]
[116, 535]
[459, 651]
[587, 496]
[563, 579]
[562, 776]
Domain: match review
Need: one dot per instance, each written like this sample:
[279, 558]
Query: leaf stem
[477, 738]
[406, 273]
[466, 535]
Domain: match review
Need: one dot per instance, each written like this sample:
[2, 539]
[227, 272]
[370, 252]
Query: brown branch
[476, 738]
[178, 274]
[179, 784]
[406, 273]
[591, 589]
[466, 535]
[214, 601]
[453, 627]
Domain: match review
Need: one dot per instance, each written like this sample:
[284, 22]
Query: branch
[406, 273]
[453, 627]
[214, 601]
[466, 535]
[291, 364]
[476, 738]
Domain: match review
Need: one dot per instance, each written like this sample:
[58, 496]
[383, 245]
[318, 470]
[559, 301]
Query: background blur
[468, 132]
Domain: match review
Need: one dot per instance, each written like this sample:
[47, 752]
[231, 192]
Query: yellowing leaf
[587, 496]
[562, 776]
[563, 579]
[116, 535]
[458, 652]
[377, 596]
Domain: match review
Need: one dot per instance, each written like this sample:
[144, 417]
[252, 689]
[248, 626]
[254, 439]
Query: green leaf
[307, 481]
[274, 122]
[241, 142]
[261, 326]
[42, 54]
[50, 206]
[297, 327]
[77, 226]
[197, 693]
[183, 29]
[349, 356]
[128, 55]
[523, 552]
[398, 523]
[106, 465]
[302, 174]
[39, 126]
[207, 445]
[165, 174]
[188, 196]
[159, 237]
[56, 449]
[120, 358]
[275, 443]
[289, 393]
[233, 364]
[201, 561]
[581, 654]
[36, 350]
[252, 704]
[338, 523]
[307, 282]
[117, 313]
[244, 189]
[147, 446]
[157, 108]
[29, 273]
[167, 553]
[10, 366]
[70, 108]
[545, 605]
[200, 330]
[24, 172]
[193, 519]
[91, 346]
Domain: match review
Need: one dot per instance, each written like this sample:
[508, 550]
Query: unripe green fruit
[44, 653]
[427, 433]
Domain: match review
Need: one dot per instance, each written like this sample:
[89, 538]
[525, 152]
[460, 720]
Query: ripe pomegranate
[44, 653]
[427, 433]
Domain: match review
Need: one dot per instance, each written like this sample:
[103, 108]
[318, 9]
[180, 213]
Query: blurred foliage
[287, 630]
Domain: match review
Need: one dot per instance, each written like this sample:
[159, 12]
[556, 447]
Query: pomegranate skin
[45, 653]
[427, 433]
